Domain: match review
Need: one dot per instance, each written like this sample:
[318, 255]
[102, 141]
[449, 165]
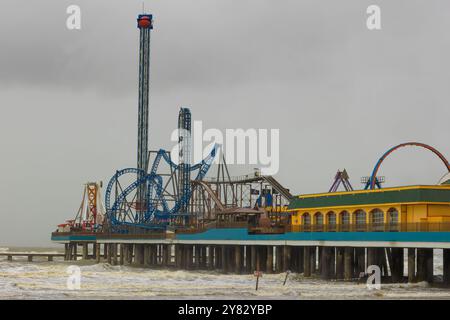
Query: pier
[328, 258]
[30, 256]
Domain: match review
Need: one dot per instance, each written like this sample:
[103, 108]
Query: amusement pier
[166, 214]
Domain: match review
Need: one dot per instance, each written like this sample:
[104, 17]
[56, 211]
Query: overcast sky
[340, 94]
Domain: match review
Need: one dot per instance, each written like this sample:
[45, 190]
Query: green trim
[370, 197]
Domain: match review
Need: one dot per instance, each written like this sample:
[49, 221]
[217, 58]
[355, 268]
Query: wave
[103, 281]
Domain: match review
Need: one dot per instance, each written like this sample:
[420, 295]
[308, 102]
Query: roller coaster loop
[152, 216]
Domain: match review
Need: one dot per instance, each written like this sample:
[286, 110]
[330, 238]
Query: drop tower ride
[145, 25]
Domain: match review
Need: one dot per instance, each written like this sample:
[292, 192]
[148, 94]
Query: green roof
[372, 197]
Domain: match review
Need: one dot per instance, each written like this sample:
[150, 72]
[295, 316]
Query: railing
[132, 236]
[279, 228]
[235, 178]
[190, 230]
[378, 227]
[105, 235]
[239, 224]
[373, 227]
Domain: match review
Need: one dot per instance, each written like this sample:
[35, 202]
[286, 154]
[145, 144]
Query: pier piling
[307, 261]
[446, 270]
[269, 261]
[411, 265]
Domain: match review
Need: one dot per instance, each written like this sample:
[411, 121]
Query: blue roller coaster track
[157, 213]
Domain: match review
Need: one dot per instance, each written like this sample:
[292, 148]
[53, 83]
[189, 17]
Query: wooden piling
[211, 257]
[248, 259]
[183, 257]
[85, 251]
[139, 254]
[286, 258]
[360, 261]
[177, 256]
[421, 265]
[147, 256]
[300, 252]
[253, 257]
[75, 256]
[372, 256]
[313, 259]
[224, 254]
[238, 259]
[446, 262]
[340, 263]
[269, 261]
[121, 255]
[279, 259]
[259, 260]
[197, 256]
[154, 254]
[327, 263]
[307, 261]
[203, 257]
[429, 263]
[383, 260]
[411, 265]
[131, 253]
[397, 264]
[109, 253]
[324, 263]
[348, 263]
[97, 252]
[218, 257]
[319, 260]
[114, 257]
[66, 252]
[165, 255]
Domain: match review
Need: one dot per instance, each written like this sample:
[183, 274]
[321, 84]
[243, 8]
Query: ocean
[41, 279]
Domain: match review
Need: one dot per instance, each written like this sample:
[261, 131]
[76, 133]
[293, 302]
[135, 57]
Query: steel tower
[184, 143]
[145, 25]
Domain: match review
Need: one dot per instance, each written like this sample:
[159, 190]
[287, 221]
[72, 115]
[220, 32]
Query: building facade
[410, 208]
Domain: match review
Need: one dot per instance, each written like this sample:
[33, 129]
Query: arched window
[376, 216]
[360, 219]
[318, 218]
[331, 218]
[331, 221]
[377, 219]
[318, 222]
[306, 219]
[344, 217]
[392, 217]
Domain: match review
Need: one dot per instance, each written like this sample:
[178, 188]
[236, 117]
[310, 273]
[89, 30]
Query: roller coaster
[154, 212]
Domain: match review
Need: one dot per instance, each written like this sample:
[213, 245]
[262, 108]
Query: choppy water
[47, 280]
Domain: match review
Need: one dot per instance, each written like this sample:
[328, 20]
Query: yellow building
[410, 208]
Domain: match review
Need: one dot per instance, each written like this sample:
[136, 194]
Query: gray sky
[340, 94]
